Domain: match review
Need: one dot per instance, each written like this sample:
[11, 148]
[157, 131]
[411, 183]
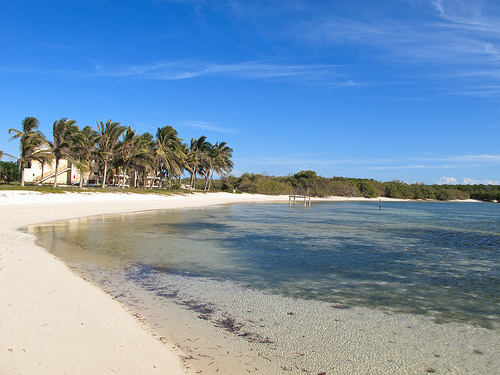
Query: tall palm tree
[208, 164]
[109, 133]
[31, 142]
[64, 131]
[146, 166]
[144, 158]
[133, 151]
[196, 156]
[183, 161]
[83, 150]
[223, 159]
[168, 152]
[124, 150]
[221, 155]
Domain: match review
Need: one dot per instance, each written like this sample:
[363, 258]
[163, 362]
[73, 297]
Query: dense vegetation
[114, 149]
[354, 187]
[9, 172]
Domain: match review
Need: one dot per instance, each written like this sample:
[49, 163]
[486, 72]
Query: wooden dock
[301, 194]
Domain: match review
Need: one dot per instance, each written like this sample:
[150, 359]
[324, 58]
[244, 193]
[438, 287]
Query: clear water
[439, 259]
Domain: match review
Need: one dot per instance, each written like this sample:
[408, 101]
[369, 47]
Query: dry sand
[54, 322]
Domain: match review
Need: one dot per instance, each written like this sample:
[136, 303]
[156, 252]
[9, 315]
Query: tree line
[319, 186]
[119, 150]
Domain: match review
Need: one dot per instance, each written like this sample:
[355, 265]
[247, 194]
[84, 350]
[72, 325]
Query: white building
[67, 173]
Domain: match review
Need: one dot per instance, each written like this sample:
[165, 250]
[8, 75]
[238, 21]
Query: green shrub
[9, 172]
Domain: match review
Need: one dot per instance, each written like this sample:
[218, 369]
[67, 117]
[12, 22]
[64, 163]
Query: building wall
[34, 173]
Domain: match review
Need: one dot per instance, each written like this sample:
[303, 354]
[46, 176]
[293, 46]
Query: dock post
[300, 193]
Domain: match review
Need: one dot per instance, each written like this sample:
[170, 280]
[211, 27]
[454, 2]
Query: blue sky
[404, 89]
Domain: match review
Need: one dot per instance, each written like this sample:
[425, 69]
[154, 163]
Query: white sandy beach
[55, 322]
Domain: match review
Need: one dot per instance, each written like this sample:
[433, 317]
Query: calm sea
[438, 259]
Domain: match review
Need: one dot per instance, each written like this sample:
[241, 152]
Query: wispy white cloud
[176, 70]
[435, 41]
[105, 99]
[465, 158]
[470, 15]
[209, 126]
[456, 42]
[430, 30]
[417, 166]
[454, 161]
[96, 65]
[319, 74]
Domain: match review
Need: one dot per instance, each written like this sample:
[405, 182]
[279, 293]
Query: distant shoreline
[35, 196]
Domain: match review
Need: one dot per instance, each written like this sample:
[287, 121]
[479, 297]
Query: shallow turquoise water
[441, 259]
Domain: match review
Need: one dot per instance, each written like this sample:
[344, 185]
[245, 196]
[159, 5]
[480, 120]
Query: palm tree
[83, 150]
[109, 133]
[196, 156]
[183, 161]
[146, 166]
[221, 155]
[168, 152]
[133, 151]
[44, 156]
[143, 158]
[124, 150]
[64, 131]
[208, 165]
[223, 160]
[31, 141]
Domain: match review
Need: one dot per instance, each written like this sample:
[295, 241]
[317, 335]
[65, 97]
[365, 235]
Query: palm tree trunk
[193, 175]
[211, 178]
[207, 176]
[124, 173]
[152, 180]
[88, 178]
[55, 173]
[104, 176]
[22, 173]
